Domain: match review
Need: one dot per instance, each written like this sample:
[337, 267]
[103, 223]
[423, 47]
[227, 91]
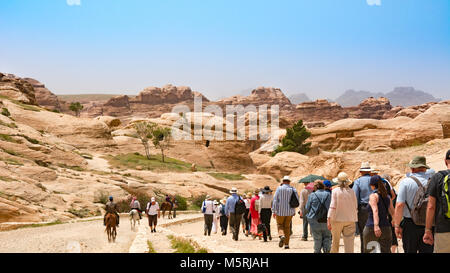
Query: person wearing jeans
[317, 207]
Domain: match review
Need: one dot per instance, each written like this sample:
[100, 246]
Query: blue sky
[221, 47]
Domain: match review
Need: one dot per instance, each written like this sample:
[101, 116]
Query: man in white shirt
[208, 209]
[153, 214]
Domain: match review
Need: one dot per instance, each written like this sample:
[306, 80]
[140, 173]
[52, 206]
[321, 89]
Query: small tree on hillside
[76, 107]
[160, 136]
[294, 140]
[144, 133]
[161, 139]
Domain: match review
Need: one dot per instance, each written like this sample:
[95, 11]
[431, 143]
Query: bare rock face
[45, 97]
[283, 164]
[370, 108]
[259, 96]
[17, 89]
[381, 135]
[320, 110]
[151, 102]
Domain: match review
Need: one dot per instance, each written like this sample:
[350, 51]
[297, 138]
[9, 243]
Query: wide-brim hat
[233, 190]
[342, 177]
[286, 178]
[365, 167]
[418, 162]
[208, 197]
[215, 202]
[266, 189]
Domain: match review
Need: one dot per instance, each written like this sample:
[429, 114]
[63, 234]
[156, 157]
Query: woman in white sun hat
[343, 214]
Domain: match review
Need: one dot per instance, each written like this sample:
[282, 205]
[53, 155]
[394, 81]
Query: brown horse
[111, 221]
[167, 206]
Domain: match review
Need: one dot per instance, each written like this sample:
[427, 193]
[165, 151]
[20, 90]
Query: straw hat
[365, 167]
[342, 177]
[233, 190]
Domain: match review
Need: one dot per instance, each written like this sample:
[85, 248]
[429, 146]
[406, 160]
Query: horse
[167, 206]
[111, 221]
[134, 216]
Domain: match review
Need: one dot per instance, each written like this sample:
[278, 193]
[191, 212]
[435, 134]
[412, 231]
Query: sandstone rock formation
[46, 98]
[17, 89]
[370, 108]
[259, 96]
[320, 110]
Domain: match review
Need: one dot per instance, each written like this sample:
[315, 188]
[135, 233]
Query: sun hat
[215, 202]
[375, 170]
[418, 162]
[286, 178]
[153, 199]
[233, 190]
[266, 189]
[208, 197]
[365, 167]
[342, 177]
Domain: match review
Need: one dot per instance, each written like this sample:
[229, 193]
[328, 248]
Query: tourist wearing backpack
[234, 209]
[316, 211]
[411, 206]
[284, 203]
[439, 210]
[208, 209]
[377, 233]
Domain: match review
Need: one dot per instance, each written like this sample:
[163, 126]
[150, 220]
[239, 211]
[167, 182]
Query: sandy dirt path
[84, 237]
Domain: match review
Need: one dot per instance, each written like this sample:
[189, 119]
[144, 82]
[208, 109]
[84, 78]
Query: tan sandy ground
[85, 237]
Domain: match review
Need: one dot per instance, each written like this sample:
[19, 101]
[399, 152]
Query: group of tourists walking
[368, 207]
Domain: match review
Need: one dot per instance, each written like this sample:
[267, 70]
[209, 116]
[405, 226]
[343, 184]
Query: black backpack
[240, 207]
[293, 202]
[322, 212]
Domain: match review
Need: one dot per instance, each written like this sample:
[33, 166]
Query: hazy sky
[221, 47]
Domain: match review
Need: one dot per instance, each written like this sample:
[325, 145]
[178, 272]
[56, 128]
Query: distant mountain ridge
[400, 96]
[299, 98]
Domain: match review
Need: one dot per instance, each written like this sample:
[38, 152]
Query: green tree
[144, 133]
[76, 107]
[161, 139]
[159, 135]
[294, 141]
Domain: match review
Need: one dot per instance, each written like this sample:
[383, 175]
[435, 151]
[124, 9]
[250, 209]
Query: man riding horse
[111, 207]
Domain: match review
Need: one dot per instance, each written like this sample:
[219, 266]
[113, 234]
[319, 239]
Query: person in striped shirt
[282, 211]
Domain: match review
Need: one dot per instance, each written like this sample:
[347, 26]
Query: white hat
[233, 190]
[208, 197]
[215, 202]
[342, 177]
[365, 167]
[286, 178]
[153, 199]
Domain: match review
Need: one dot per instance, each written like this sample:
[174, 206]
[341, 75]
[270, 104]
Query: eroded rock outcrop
[17, 89]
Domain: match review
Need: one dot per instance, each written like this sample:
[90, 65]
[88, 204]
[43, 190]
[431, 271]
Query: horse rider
[111, 207]
[168, 199]
[136, 205]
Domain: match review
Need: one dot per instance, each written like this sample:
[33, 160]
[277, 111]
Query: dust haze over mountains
[400, 96]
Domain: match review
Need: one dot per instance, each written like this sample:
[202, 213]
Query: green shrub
[6, 112]
[294, 141]
[227, 176]
[197, 201]
[182, 202]
[101, 197]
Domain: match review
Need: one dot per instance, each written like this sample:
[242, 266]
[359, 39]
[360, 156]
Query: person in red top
[254, 216]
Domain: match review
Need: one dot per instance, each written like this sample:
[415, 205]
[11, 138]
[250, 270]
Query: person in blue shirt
[405, 228]
[362, 189]
[317, 205]
[233, 218]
